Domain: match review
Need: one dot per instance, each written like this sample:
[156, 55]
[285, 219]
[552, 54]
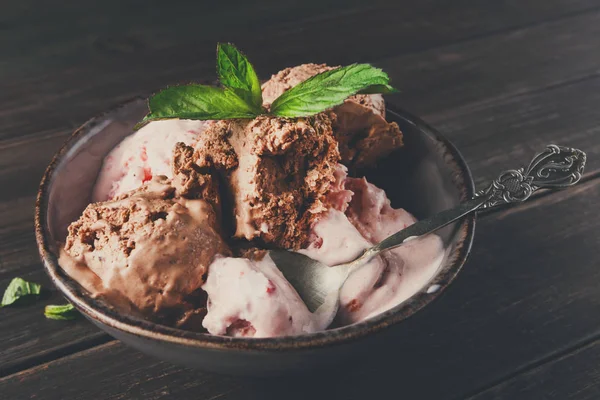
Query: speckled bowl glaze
[427, 176]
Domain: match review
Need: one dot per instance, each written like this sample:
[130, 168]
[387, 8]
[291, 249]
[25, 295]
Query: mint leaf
[242, 96]
[236, 73]
[63, 312]
[19, 288]
[378, 89]
[329, 89]
[198, 102]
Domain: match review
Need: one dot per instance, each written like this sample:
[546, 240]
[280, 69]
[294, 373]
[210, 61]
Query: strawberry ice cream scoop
[386, 280]
[251, 298]
[142, 155]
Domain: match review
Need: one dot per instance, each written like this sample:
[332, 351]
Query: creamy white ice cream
[252, 298]
[385, 281]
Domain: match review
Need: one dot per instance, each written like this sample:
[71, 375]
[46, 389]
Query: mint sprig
[236, 73]
[20, 289]
[198, 102]
[241, 95]
[329, 89]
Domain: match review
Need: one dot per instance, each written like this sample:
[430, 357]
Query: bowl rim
[101, 314]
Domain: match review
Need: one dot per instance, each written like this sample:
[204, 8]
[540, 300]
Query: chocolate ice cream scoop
[148, 251]
[285, 169]
[275, 172]
[359, 123]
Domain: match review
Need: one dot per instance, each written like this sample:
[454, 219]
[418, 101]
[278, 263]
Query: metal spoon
[319, 285]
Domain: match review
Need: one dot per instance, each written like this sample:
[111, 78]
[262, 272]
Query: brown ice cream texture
[359, 123]
[147, 251]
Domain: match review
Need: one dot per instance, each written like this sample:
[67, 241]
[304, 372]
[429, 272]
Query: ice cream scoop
[147, 251]
[319, 285]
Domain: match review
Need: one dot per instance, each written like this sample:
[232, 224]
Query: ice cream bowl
[428, 175]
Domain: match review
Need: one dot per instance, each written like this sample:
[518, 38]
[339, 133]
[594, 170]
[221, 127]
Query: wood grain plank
[575, 375]
[85, 87]
[22, 165]
[506, 133]
[28, 338]
[42, 37]
[496, 317]
[432, 82]
[489, 69]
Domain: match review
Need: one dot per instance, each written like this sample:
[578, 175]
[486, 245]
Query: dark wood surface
[500, 79]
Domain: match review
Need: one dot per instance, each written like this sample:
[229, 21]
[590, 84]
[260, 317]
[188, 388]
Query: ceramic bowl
[428, 175]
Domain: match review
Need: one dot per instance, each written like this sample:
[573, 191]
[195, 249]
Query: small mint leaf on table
[329, 89]
[64, 312]
[19, 289]
[237, 74]
[198, 102]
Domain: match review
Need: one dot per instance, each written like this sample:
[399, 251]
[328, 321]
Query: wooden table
[500, 78]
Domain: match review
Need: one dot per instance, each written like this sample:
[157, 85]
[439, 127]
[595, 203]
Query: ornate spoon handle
[555, 168]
